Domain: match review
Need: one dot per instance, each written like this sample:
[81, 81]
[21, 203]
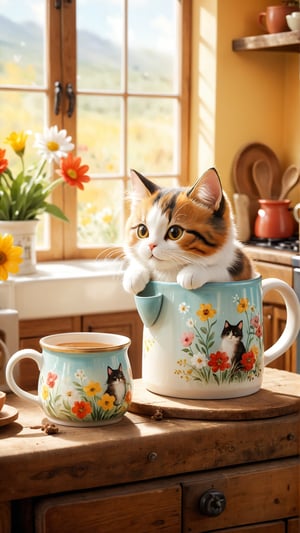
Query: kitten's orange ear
[208, 189]
[142, 187]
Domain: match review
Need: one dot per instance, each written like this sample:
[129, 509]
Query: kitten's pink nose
[152, 246]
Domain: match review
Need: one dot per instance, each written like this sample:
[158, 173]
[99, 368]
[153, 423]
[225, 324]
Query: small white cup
[293, 20]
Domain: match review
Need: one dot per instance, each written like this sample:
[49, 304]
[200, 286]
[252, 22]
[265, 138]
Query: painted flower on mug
[84, 399]
[232, 355]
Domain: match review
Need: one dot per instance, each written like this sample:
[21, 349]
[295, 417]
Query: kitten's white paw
[189, 279]
[134, 281]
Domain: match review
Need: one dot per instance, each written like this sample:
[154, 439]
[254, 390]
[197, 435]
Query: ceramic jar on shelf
[274, 220]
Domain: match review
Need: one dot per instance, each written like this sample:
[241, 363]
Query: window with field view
[123, 62]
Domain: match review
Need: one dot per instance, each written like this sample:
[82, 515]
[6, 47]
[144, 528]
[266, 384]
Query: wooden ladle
[262, 177]
[289, 180]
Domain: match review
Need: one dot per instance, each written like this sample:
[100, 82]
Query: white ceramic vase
[24, 233]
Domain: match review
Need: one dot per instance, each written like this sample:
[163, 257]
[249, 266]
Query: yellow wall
[239, 97]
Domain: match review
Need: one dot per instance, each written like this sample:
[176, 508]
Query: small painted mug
[85, 378]
[207, 343]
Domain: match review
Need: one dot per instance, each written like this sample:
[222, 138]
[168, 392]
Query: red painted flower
[187, 338]
[81, 409]
[3, 161]
[248, 361]
[218, 361]
[259, 331]
[72, 172]
[51, 378]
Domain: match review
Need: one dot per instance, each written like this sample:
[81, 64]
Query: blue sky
[150, 19]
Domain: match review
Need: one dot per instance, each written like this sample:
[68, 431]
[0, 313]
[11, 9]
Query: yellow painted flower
[106, 402]
[10, 256]
[242, 305]
[92, 388]
[255, 350]
[45, 392]
[17, 141]
[205, 312]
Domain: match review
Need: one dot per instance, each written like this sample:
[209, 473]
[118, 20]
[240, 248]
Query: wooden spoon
[262, 177]
[289, 180]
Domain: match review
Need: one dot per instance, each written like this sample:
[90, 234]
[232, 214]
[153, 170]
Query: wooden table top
[138, 447]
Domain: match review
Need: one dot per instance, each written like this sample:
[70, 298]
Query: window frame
[60, 35]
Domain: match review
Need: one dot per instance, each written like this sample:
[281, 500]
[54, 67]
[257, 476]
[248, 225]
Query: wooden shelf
[288, 41]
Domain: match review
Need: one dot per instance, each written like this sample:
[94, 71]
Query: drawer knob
[212, 503]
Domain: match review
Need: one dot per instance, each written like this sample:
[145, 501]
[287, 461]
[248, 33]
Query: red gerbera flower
[81, 409]
[248, 360]
[73, 172]
[3, 161]
[218, 361]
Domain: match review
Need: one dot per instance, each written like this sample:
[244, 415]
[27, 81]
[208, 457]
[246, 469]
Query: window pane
[152, 137]
[30, 116]
[22, 24]
[153, 42]
[100, 213]
[98, 133]
[99, 44]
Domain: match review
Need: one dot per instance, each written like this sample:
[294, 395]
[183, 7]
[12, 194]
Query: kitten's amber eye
[174, 233]
[142, 231]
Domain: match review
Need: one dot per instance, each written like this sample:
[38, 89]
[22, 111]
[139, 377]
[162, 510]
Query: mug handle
[15, 358]
[292, 326]
[262, 19]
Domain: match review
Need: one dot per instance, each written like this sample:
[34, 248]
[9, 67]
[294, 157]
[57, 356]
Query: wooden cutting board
[273, 399]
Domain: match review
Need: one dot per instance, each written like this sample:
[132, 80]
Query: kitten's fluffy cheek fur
[135, 280]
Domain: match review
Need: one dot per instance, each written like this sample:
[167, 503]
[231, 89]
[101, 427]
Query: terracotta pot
[273, 20]
[274, 220]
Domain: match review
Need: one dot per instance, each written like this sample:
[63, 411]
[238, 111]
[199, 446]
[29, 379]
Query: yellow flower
[205, 312]
[10, 256]
[255, 350]
[92, 388]
[106, 402]
[242, 305]
[45, 392]
[17, 141]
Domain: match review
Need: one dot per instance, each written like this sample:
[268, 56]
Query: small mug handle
[262, 20]
[14, 359]
[292, 326]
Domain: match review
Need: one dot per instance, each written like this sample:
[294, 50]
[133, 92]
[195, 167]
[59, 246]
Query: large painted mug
[85, 378]
[208, 343]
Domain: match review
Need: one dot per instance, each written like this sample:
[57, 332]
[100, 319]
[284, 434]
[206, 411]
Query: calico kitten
[182, 234]
[116, 384]
[232, 342]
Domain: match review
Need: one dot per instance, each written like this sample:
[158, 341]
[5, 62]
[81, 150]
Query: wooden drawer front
[5, 523]
[271, 527]
[136, 509]
[258, 493]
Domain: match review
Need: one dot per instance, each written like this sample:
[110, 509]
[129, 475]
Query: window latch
[71, 98]
[57, 97]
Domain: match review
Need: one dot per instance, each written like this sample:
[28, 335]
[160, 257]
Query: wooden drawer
[254, 494]
[135, 508]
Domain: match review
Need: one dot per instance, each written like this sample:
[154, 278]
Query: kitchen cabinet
[125, 323]
[261, 495]
[142, 475]
[275, 314]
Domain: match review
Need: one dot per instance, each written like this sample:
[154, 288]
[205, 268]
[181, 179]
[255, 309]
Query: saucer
[8, 414]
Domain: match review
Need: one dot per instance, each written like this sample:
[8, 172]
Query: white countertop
[67, 288]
